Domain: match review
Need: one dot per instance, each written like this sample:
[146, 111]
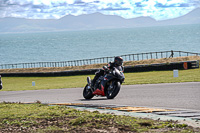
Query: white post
[175, 73]
[33, 83]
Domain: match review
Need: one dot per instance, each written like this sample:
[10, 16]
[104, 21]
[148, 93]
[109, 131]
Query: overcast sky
[55, 9]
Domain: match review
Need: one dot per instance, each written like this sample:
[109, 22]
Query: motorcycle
[108, 85]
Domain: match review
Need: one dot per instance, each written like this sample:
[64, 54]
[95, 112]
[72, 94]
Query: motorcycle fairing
[99, 92]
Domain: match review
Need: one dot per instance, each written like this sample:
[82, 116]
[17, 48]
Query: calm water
[73, 45]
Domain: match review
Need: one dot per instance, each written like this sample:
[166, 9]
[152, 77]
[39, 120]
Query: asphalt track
[167, 95]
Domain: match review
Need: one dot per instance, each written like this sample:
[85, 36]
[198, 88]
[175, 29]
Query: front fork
[110, 87]
[89, 84]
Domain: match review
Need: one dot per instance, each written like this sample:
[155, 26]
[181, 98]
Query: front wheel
[87, 93]
[112, 92]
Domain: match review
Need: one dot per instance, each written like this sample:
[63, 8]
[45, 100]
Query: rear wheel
[112, 92]
[87, 93]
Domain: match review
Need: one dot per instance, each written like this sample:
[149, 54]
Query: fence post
[142, 56]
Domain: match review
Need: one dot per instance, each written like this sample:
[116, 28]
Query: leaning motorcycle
[108, 85]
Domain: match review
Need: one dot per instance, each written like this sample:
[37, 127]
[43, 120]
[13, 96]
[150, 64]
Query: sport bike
[107, 85]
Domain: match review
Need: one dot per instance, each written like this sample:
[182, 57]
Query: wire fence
[128, 57]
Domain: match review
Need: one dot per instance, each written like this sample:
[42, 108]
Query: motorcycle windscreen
[119, 68]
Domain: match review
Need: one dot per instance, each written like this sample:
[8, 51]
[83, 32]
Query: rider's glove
[105, 68]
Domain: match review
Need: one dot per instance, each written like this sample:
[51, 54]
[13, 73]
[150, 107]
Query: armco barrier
[163, 66]
[137, 68]
[128, 57]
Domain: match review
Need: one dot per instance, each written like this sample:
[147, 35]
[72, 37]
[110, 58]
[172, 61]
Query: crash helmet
[118, 61]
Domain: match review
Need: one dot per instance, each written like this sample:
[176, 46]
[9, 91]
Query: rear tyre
[87, 93]
[110, 94]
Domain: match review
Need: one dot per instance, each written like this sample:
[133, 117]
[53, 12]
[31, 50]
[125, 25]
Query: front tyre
[112, 92]
[87, 93]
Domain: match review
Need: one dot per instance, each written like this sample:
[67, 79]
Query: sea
[76, 45]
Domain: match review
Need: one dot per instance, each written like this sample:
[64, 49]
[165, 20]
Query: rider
[118, 63]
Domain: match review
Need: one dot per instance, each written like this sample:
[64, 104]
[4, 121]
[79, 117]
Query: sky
[55, 9]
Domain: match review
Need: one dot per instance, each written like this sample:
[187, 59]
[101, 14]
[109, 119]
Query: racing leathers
[103, 71]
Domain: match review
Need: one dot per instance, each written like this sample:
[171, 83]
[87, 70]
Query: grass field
[38, 118]
[153, 77]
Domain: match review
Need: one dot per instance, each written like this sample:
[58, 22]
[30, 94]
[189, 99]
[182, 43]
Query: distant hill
[90, 22]
[191, 18]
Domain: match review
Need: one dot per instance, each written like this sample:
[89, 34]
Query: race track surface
[173, 95]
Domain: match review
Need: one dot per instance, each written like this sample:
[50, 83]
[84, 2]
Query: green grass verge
[25, 83]
[154, 77]
[42, 118]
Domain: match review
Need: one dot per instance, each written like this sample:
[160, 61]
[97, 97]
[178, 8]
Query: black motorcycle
[108, 85]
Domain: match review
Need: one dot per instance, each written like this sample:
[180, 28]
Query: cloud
[55, 9]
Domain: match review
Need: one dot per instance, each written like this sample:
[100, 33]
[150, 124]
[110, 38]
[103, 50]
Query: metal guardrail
[128, 57]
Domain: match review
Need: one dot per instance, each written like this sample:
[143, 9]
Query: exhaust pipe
[89, 81]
